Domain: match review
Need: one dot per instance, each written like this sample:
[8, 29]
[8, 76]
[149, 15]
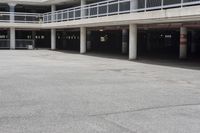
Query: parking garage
[166, 39]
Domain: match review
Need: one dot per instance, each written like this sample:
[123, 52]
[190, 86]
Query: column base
[183, 52]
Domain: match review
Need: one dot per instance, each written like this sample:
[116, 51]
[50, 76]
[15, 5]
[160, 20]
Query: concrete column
[12, 12]
[183, 43]
[53, 39]
[89, 44]
[193, 44]
[83, 40]
[53, 9]
[83, 13]
[133, 5]
[124, 41]
[132, 41]
[12, 38]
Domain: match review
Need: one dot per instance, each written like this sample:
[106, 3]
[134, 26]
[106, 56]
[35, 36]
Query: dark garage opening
[68, 40]
[158, 43]
[43, 39]
[106, 41]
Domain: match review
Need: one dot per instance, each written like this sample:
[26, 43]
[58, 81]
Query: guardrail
[21, 17]
[24, 43]
[20, 43]
[4, 43]
[99, 9]
[113, 7]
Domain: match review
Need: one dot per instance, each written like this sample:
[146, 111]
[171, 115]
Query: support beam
[12, 38]
[183, 43]
[53, 39]
[83, 40]
[132, 41]
[124, 41]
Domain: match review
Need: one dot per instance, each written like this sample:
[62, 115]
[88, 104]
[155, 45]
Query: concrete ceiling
[43, 2]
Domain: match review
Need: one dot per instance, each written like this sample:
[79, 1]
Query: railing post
[67, 15]
[53, 9]
[182, 3]
[162, 4]
[83, 3]
[133, 5]
[145, 5]
[62, 16]
[25, 18]
[74, 14]
[118, 6]
[107, 8]
[97, 10]
[89, 13]
[12, 12]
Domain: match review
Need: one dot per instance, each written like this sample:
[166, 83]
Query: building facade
[130, 27]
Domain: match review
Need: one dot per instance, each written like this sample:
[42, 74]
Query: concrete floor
[45, 91]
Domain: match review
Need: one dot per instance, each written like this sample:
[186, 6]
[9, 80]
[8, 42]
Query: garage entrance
[160, 43]
[68, 40]
[43, 39]
[108, 40]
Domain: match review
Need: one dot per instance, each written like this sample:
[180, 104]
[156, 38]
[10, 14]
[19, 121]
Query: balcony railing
[99, 9]
[21, 17]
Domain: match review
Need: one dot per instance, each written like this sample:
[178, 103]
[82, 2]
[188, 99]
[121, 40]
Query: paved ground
[54, 92]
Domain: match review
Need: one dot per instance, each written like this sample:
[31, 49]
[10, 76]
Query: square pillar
[12, 38]
[83, 40]
[132, 41]
[183, 43]
[53, 39]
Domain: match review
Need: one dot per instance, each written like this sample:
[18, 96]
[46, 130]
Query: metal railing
[21, 17]
[20, 43]
[113, 7]
[24, 43]
[99, 9]
[4, 43]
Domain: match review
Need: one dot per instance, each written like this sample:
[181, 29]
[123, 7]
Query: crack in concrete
[145, 109]
[118, 125]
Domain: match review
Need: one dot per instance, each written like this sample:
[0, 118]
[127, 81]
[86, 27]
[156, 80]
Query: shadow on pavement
[190, 63]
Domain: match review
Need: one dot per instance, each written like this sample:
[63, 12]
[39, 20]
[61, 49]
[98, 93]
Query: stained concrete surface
[45, 91]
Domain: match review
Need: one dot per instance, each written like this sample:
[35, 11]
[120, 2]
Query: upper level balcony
[95, 10]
